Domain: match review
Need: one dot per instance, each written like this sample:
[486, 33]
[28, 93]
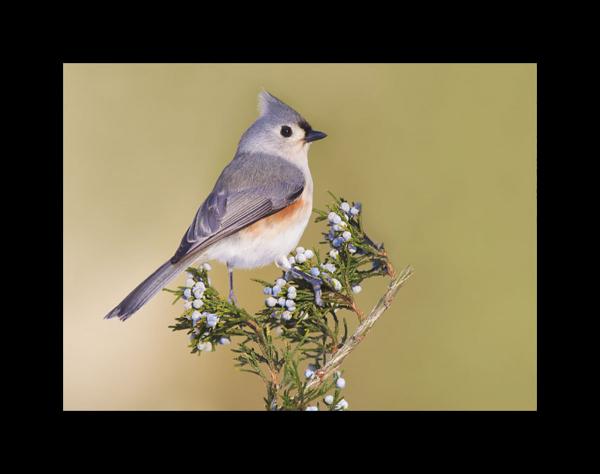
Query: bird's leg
[232, 298]
[311, 280]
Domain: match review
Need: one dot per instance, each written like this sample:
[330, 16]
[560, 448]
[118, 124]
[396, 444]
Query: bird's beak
[314, 135]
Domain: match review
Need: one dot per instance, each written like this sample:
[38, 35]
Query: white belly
[251, 252]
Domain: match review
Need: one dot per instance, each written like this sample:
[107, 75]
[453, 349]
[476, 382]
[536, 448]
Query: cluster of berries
[340, 383]
[194, 299]
[339, 230]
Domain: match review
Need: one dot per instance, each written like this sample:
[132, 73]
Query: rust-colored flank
[281, 218]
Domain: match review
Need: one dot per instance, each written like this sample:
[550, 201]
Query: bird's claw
[232, 299]
[318, 300]
[311, 280]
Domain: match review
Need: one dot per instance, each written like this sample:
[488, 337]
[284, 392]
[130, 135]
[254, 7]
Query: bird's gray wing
[251, 187]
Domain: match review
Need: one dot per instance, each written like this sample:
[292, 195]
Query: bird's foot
[311, 280]
[232, 299]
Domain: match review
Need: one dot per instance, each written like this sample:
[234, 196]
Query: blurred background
[443, 158]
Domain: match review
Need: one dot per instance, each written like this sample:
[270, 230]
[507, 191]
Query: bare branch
[362, 330]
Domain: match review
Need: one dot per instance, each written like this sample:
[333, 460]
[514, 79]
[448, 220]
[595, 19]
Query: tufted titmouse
[258, 209]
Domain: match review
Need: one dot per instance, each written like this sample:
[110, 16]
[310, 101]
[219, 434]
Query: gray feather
[251, 187]
[147, 289]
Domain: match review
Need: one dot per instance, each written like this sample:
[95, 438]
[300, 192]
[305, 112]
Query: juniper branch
[296, 314]
[384, 303]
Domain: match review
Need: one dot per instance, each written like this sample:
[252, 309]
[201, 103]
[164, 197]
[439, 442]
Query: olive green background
[443, 158]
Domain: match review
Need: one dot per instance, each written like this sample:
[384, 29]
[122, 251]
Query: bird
[258, 209]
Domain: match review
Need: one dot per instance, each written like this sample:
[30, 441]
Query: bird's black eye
[286, 131]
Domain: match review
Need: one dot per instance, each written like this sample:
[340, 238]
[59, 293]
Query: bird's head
[279, 130]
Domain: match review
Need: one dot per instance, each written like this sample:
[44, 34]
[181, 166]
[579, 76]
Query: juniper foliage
[288, 341]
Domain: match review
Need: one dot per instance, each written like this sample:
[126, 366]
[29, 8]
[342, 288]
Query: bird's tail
[147, 289]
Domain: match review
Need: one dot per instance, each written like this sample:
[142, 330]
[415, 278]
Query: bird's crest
[268, 104]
